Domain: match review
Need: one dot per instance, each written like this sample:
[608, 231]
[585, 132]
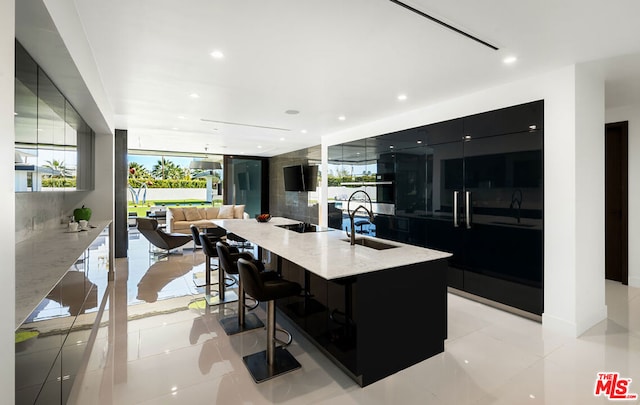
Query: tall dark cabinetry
[474, 187]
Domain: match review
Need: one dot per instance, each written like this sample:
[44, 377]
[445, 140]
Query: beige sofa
[179, 219]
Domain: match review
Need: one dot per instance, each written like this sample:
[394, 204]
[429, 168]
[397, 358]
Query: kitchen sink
[370, 243]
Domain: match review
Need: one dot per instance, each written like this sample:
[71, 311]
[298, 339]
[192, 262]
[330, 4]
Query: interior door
[616, 205]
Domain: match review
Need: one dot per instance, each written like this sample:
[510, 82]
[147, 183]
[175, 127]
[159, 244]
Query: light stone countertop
[43, 259]
[324, 253]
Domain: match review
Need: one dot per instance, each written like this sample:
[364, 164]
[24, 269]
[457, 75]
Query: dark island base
[376, 324]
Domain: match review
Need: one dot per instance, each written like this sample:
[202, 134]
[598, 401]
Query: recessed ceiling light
[182, 117]
[282, 139]
[175, 128]
[304, 131]
[217, 54]
[194, 95]
[391, 147]
[509, 60]
[292, 112]
[402, 97]
[467, 137]
[259, 146]
[342, 118]
[419, 141]
[533, 127]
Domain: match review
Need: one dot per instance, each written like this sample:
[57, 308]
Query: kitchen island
[372, 310]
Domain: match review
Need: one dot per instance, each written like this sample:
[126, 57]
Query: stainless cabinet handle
[455, 209]
[467, 205]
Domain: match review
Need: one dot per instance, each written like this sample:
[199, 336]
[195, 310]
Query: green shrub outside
[168, 183]
[59, 182]
[335, 181]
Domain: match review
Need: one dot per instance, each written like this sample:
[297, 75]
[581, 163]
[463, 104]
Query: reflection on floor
[161, 346]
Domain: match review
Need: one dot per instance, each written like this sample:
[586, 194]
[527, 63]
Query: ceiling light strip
[244, 125]
[444, 24]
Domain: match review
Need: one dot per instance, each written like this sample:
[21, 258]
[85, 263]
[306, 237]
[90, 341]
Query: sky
[150, 161]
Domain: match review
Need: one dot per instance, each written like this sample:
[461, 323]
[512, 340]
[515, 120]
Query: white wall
[7, 247]
[632, 114]
[590, 213]
[91, 100]
[563, 187]
[161, 194]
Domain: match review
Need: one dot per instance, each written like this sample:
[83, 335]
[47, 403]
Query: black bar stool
[222, 296]
[195, 234]
[273, 361]
[228, 257]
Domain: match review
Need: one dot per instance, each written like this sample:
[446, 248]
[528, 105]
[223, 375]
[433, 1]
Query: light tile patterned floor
[157, 350]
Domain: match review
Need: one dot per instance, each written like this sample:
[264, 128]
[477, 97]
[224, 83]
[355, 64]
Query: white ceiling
[330, 58]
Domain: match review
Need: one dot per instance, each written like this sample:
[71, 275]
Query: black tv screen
[293, 178]
[310, 178]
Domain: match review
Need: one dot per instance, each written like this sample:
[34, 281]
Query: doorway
[616, 202]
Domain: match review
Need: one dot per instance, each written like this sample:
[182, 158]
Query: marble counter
[325, 253]
[43, 259]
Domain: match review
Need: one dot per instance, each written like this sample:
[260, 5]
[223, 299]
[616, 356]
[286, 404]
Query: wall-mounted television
[293, 178]
[310, 177]
[300, 178]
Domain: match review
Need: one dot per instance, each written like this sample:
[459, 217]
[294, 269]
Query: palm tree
[175, 172]
[164, 169]
[138, 171]
[59, 167]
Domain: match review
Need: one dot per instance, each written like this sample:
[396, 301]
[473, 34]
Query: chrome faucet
[352, 214]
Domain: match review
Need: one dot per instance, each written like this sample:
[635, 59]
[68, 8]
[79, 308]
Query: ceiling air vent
[444, 24]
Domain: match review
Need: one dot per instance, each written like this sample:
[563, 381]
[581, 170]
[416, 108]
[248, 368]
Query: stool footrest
[260, 371]
[289, 337]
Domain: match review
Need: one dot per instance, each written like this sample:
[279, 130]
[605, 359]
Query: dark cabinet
[510, 120]
[475, 188]
[472, 186]
[492, 182]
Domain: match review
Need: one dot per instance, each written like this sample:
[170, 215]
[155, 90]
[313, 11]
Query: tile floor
[158, 345]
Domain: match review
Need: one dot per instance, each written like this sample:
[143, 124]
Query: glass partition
[245, 184]
[54, 146]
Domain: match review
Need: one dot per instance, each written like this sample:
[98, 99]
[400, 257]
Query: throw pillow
[226, 212]
[192, 214]
[238, 211]
[177, 214]
[211, 212]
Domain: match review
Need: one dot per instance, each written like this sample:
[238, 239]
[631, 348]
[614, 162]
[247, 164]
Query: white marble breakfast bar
[373, 312]
[318, 251]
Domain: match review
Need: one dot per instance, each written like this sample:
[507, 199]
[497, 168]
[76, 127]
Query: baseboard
[634, 282]
[573, 329]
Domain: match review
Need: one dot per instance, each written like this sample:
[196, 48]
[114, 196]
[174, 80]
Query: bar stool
[223, 296]
[228, 257]
[195, 234]
[273, 361]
